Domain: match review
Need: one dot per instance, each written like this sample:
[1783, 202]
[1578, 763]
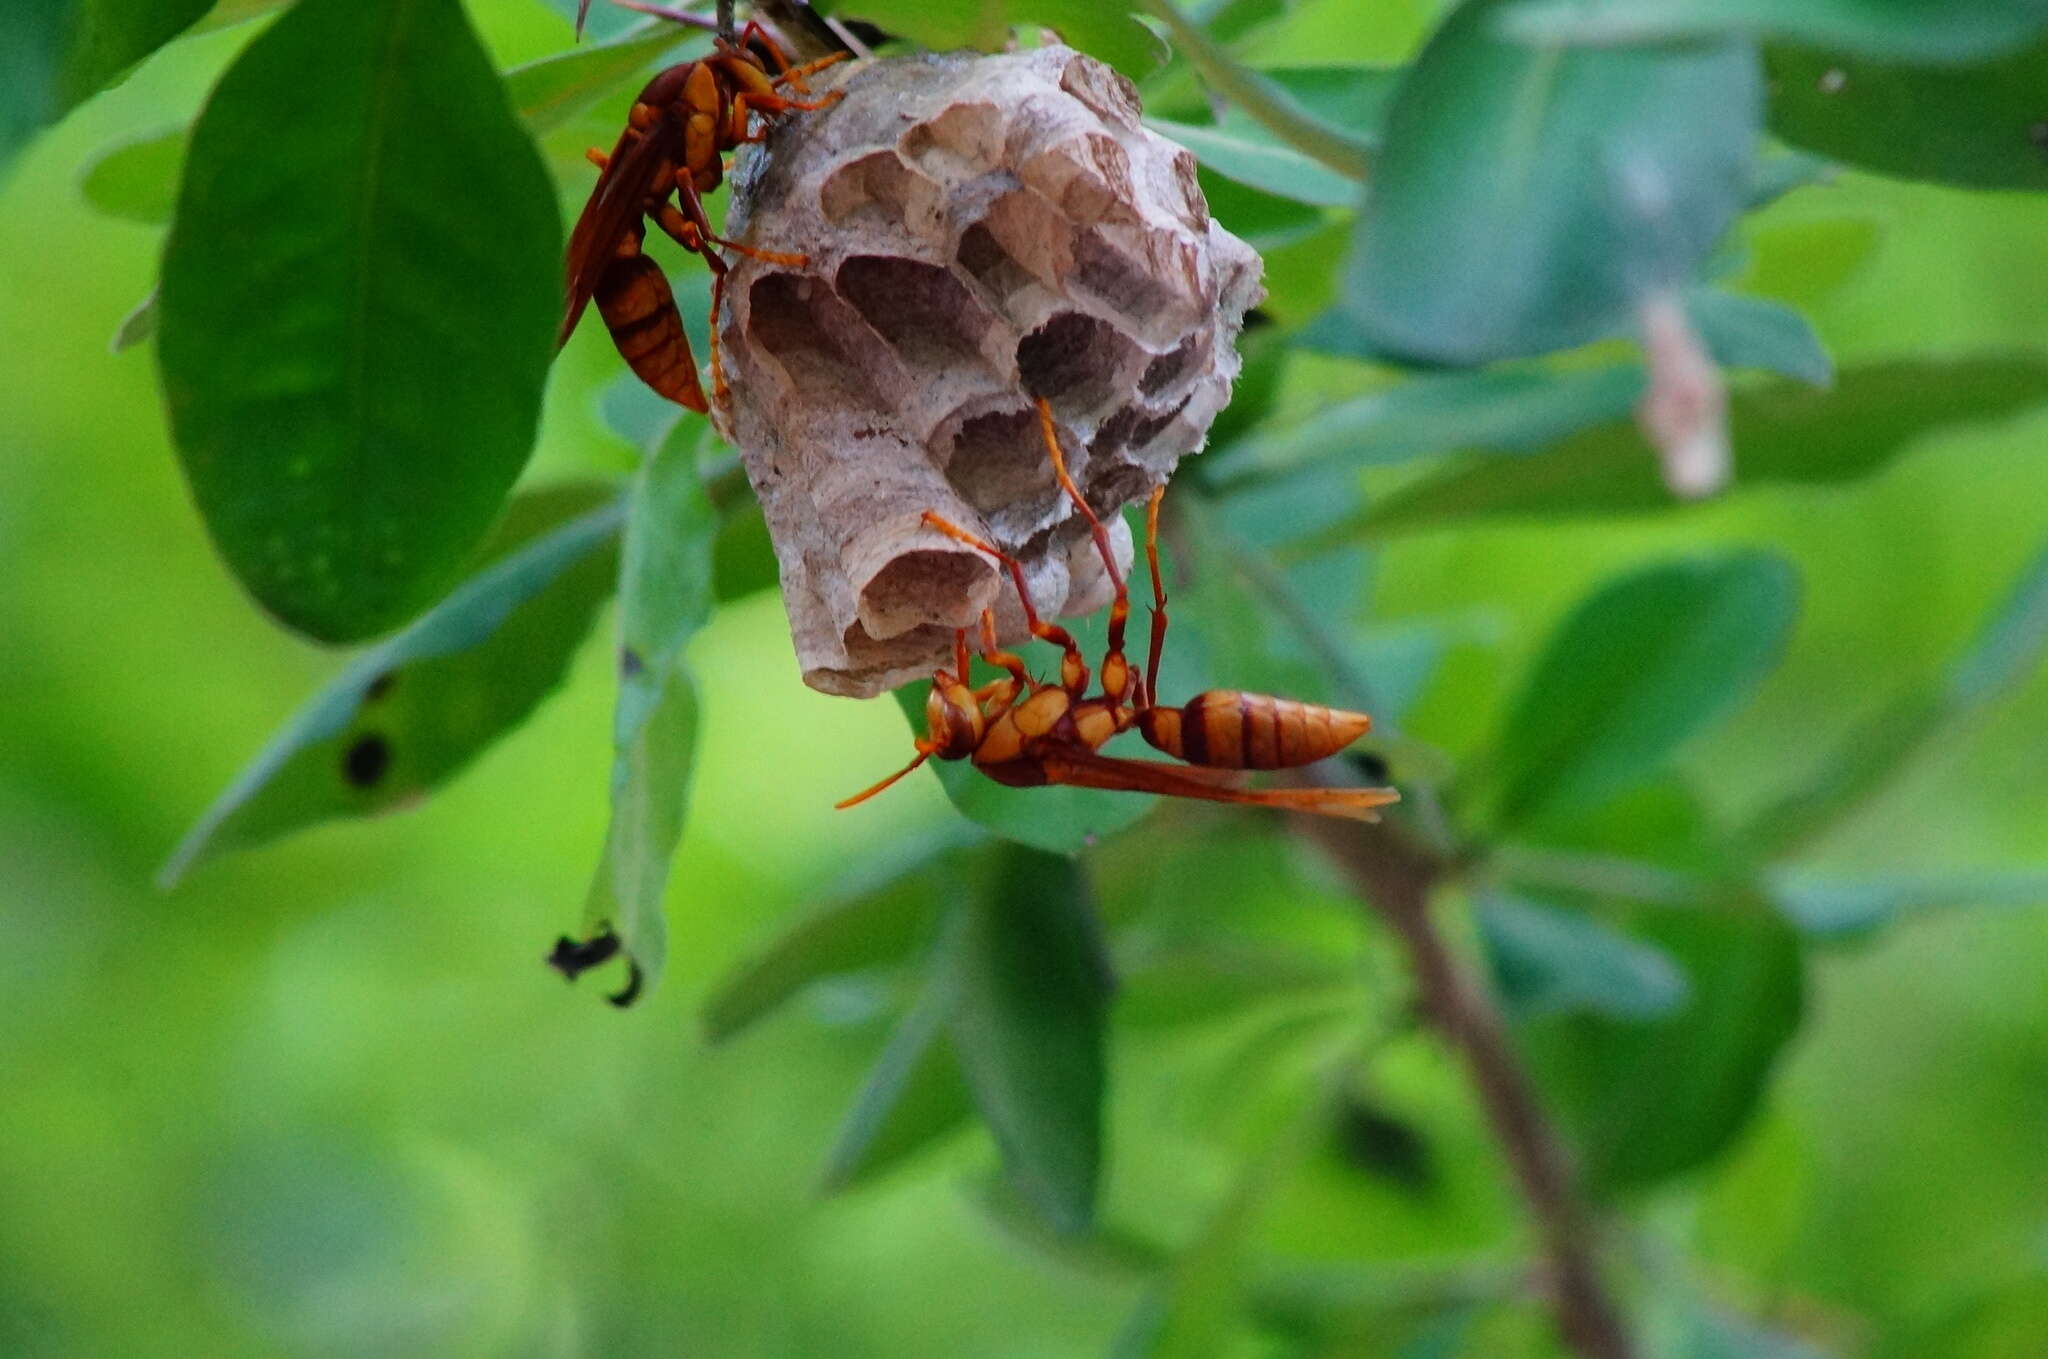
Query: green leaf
[1547, 960]
[1057, 819]
[550, 92]
[228, 13]
[1028, 1028]
[1504, 409]
[1263, 99]
[664, 597]
[1755, 332]
[1354, 98]
[1975, 126]
[1525, 197]
[61, 52]
[138, 325]
[1647, 661]
[874, 915]
[359, 304]
[409, 714]
[1645, 1101]
[2007, 648]
[1263, 164]
[1784, 433]
[136, 179]
[1828, 907]
[1920, 30]
[914, 1096]
[1106, 32]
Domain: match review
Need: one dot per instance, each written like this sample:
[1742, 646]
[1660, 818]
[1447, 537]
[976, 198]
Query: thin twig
[1397, 875]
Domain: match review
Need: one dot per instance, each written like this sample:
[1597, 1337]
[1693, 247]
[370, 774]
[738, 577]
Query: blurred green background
[323, 1098]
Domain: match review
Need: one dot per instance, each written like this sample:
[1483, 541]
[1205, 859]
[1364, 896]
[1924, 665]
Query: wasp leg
[1073, 668]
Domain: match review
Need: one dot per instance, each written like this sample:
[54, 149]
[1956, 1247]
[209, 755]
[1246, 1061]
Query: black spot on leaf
[365, 763]
[573, 957]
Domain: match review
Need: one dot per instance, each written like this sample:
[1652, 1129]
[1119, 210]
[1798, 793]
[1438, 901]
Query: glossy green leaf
[136, 179]
[914, 1096]
[874, 915]
[664, 597]
[1028, 1028]
[1057, 819]
[1550, 960]
[359, 303]
[1784, 432]
[1262, 164]
[1755, 332]
[1981, 126]
[1525, 197]
[2008, 647]
[1644, 1101]
[1916, 30]
[409, 714]
[1645, 662]
[1262, 98]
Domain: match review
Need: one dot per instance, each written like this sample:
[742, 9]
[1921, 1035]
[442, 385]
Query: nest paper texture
[979, 231]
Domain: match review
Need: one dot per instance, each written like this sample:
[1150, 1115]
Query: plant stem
[1397, 875]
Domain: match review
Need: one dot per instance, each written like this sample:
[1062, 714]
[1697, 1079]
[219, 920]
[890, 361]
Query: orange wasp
[672, 148]
[1027, 734]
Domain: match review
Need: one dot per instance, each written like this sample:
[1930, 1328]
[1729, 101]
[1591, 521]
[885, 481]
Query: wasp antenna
[924, 753]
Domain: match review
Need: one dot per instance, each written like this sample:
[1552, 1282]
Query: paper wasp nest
[980, 231]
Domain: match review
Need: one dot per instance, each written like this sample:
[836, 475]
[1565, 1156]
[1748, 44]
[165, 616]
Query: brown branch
[1397, 874]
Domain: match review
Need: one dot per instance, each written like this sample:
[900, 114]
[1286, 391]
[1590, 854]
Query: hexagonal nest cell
[978, 232]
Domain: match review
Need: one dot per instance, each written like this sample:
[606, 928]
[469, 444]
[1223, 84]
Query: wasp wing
[614, 210]
[1084, 768]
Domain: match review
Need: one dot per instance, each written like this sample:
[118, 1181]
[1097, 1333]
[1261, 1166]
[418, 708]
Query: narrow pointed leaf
[408, 714]
[1262, 163]
[137, 326]
[1526, 196]
[875, 915]
[664, 597]
[551, 91]
[2009, 647]
[1912, 30]
[1263, 99]
[1829, 907]
[1755, 332]
[1647, 661]
[1784, 433]
[914, 1096]
[359, 300]
[1028, 1028]
[1500, 409]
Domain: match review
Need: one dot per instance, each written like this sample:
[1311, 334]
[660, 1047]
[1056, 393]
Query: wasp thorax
[976, 231]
